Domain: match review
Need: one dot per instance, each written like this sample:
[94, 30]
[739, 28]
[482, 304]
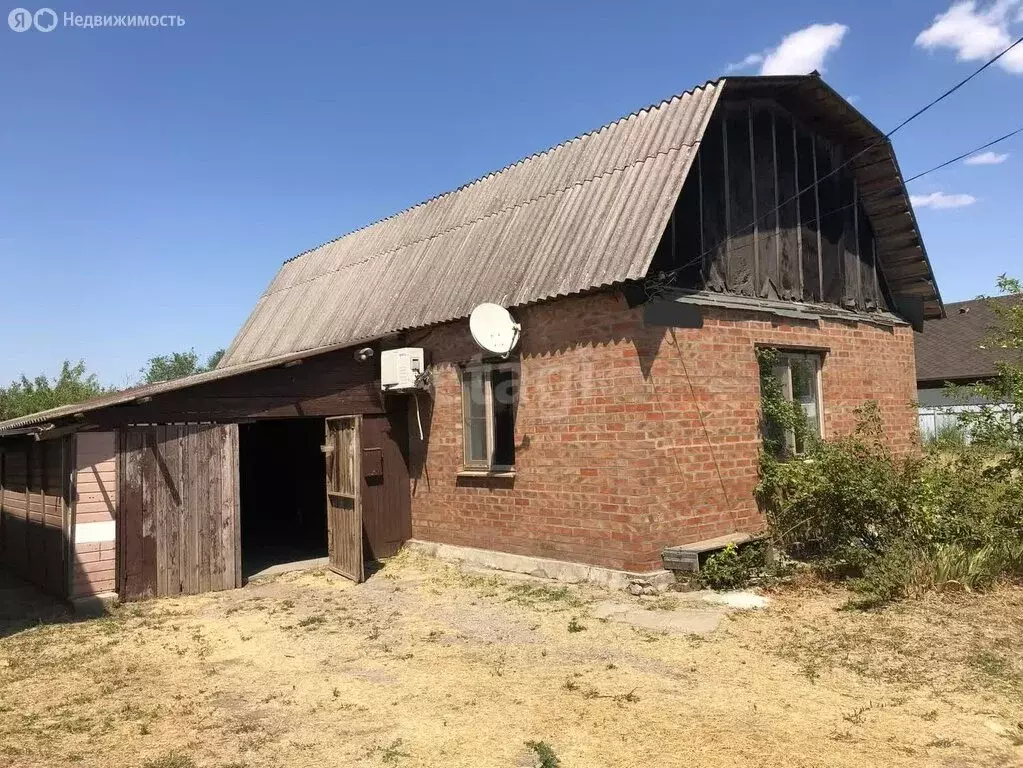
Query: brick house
[646, 263]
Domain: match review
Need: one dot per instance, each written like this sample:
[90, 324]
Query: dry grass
[427, 666]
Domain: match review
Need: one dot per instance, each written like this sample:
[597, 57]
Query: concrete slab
[296, 565]
[739, 599]
[684, 621]
[541, 567]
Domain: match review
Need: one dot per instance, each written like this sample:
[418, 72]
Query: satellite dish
[494, 329]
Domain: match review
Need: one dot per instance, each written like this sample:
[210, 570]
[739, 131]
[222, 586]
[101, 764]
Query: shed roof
[955, 348]
[582, 215]
[22, 424]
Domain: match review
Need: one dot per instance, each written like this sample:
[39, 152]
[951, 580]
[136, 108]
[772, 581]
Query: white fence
[938, 418]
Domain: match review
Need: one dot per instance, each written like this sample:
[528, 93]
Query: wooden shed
[190, 486]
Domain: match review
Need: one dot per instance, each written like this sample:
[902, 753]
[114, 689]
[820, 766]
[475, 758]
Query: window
[798, 376]
[488, 412]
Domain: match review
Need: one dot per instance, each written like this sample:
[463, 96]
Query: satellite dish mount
[494, 329]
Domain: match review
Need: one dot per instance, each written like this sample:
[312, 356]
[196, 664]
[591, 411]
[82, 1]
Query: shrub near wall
[902, 525]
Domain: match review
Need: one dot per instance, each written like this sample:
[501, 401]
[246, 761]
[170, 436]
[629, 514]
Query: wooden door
[178, 517]
[386, 500]
[343, 455]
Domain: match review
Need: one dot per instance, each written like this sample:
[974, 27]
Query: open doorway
[283, 495]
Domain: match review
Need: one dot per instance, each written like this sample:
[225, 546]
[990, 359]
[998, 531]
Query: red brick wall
[626, 444]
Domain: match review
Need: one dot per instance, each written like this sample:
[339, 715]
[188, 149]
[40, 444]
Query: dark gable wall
[728, 233]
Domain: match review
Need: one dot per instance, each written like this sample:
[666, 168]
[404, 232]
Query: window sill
[486, 473]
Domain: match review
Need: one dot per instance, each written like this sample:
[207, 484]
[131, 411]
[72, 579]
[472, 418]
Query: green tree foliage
[999, 428]
[25, 396]
[178, 365]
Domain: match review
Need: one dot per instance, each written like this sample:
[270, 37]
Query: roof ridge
[509, 166]
[981, 299]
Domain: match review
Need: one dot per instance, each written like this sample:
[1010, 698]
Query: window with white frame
[488, 416]
[799, 376]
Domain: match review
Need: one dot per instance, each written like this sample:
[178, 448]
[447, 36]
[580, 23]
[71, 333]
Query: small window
[798, 376]
[488, 410]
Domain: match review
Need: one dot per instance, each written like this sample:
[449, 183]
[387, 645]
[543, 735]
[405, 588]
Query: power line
[965, 154]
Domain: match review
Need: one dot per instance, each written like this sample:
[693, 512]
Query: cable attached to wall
[703, 424]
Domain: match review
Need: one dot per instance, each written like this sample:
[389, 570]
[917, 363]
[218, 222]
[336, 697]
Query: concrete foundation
[540, 567]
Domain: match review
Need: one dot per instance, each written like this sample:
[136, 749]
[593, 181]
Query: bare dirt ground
[425, 665]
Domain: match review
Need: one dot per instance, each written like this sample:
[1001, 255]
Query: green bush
[733, 567]
[901, 526]
[843, 501]
[951, 517]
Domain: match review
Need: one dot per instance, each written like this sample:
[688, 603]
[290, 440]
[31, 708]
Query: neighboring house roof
[956, 347]
[585, 214]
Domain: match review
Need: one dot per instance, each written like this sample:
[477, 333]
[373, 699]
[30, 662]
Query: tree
[1000, 426]
[25, 396]
[178, 365]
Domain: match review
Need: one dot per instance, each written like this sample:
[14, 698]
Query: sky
[152, 180]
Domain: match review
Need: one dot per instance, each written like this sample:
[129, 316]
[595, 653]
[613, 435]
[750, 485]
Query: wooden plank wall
[773, 221]
[35, 493]
[324, 385]
[179, 510]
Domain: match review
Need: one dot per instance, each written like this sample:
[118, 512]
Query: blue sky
[153, 180]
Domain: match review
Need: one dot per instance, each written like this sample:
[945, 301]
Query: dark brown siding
[712, 175]
[741, 274]
[178, 510]
[321, 386]
[808, 216]
[778, 214]
[35, 499]
[767, 200]
[386, 503]
[788, 213]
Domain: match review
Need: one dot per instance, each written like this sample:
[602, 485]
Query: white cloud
[804, 51]
[977, 34]
[939, 200]
[752, 60]
[986, 158]
[798, 53]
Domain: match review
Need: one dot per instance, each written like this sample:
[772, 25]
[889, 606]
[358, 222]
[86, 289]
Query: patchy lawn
[427, 666]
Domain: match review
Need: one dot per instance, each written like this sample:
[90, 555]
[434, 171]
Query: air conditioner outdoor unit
[399, 368]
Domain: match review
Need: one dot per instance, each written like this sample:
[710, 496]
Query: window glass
[503, 389]
[797, 375]
[804, 392]
[474, 408]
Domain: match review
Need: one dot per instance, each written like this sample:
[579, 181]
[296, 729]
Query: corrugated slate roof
[584, 214]
[957, 348]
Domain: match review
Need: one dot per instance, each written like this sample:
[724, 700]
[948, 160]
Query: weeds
[533, 595]
[544, 753]
[172, 760]
[733, 567]
[899, 526]
[575, 626]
